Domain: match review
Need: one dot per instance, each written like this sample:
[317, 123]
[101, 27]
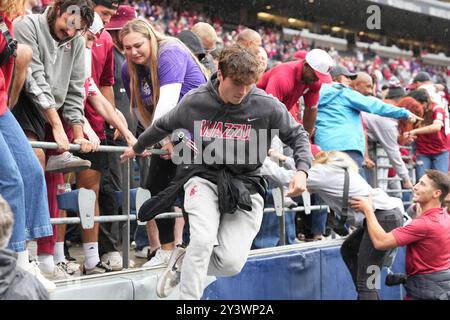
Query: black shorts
[29, 117]
[99, 160]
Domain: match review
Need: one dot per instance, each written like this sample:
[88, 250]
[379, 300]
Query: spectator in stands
[15, 283]
[193, 42]
[427, 238]
[22, 180]
[420, 79]
[158, 72]
[339, 111]
[99, 242]
[144, 248]
[385, 131]
[292, 80]
[250, 39]
[101, 110]
[50, 87]
[327, 179]
[124, 14]
[208, 37]
[431, 141]
[341, 75]
[363, 83]
[220, 241]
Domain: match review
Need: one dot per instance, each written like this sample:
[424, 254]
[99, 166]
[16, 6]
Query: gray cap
[341, 70]
[422, 77]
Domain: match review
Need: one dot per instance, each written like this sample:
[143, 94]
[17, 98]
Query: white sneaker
[160, 259]
[170, 278]
[60, 272]
[143, 253]
[73, 268]
[33, 268]
[66, 162]
[115, 260]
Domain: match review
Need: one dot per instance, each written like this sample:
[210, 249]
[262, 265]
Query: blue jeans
[140, 237]
[22, 185]
[318, 218]
[431, 161]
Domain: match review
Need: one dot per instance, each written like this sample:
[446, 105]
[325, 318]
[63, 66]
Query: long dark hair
[86, 11]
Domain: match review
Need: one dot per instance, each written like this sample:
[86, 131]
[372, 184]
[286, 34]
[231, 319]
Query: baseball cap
[193, 42]
[395, 92]
[321, 63]
[123, 15]
[341, 70]
[110, 4]
[422, 77]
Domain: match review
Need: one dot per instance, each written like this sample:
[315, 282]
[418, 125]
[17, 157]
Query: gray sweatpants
[219, 244]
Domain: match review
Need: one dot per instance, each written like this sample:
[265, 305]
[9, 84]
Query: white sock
[59, 253]
[91, 254]
[23, 259]
[46, 263]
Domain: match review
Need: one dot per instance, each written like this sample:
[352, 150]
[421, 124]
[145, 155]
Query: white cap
[321, 63]
[97, 25]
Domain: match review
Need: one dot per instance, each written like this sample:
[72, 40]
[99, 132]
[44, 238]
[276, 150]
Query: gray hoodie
[58, 69]
[327, 180]
[258, 118]
[17, 284]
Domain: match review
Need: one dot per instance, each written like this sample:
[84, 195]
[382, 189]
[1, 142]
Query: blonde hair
[328, 157]
[146, 29]
[12, 8]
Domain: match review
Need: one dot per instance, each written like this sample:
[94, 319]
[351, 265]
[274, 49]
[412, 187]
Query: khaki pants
[219, 244]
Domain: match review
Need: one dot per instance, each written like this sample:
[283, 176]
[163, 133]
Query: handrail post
[126, 211]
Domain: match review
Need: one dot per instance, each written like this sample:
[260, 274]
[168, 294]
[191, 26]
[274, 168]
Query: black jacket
[234, 190]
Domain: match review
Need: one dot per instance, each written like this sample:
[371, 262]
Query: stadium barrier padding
[312, 274]
[298, 274]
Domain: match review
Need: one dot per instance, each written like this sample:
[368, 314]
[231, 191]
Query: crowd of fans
[343, 100]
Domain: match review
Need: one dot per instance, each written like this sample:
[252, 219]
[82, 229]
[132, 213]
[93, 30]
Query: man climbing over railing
[223, 189]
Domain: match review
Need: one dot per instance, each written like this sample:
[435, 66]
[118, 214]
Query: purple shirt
[175, 65]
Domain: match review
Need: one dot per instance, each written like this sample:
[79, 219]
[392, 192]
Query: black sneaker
[151, 254]
[100, 268]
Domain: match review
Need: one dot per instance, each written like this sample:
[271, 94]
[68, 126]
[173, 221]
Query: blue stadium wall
[311, 274]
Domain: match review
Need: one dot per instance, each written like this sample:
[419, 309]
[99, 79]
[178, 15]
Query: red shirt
[433, 143]
[103, 75]
[285, 83]
[5, 71]
[427, 238]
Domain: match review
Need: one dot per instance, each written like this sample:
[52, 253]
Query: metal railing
[383, 163]
[126, 215]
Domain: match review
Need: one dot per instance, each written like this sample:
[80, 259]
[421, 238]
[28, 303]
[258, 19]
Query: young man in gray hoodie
[232, 123]
[55, 83]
